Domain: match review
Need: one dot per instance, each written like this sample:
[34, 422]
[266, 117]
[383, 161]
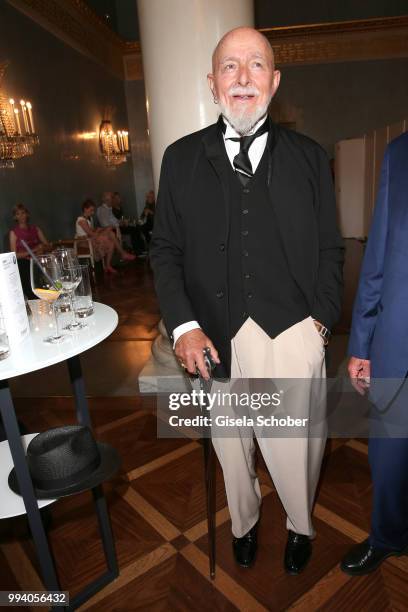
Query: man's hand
[359, 372]
[189, 351]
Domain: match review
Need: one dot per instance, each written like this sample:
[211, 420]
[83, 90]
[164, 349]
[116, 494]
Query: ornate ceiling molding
[343, 41]
[77, 25]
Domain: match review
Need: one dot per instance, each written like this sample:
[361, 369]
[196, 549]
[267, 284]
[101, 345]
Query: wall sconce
[17, 136]
[114, 146]
[86, 136]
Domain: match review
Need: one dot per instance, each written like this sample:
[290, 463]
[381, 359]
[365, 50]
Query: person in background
[117, 207]
[147, 216]
[104, 214]
[36, 240]
[104, 241]
[378, 352]
[134, 231]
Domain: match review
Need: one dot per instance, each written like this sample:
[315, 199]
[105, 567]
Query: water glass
[66, 257]
[83, 304]
[70, 279]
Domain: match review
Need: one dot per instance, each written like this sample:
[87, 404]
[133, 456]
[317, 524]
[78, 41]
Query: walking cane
[209, 463]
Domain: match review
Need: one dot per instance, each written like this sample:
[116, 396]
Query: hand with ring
[189, 351]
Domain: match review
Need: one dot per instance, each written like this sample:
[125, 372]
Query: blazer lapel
[276, 178]
[217, 156]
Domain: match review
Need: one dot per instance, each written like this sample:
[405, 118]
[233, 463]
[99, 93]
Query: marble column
[178, 38]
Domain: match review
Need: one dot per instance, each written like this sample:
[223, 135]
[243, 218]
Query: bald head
[243, 36]
[243, 79]
[107, 198]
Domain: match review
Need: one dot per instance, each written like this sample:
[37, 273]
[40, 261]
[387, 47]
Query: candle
[126, 140]
[13, 117]
[3, 123]
[121, 141]
[25, 118]
[30, 115]
[18, 127]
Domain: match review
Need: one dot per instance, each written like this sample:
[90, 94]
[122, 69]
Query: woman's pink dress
[29, 234]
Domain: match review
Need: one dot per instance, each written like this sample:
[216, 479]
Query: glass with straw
[45, 275]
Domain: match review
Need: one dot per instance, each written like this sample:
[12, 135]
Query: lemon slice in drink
[49, 295]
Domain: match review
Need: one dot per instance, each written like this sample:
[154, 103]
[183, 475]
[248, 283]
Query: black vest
[260, 284]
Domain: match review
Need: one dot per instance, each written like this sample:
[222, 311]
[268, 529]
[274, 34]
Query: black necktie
[242, 163]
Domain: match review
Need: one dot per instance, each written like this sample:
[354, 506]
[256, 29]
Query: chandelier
[114, 146]
[17, 129]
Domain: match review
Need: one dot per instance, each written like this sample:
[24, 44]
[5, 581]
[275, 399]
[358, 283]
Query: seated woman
[34, 238]
[147, 216]
[104, 241]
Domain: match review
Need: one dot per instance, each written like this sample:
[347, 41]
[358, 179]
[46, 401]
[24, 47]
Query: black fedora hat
[67, 460]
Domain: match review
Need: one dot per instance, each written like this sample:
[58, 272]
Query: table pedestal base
[44, 553]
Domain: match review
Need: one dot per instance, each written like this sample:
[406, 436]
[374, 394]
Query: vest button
[245, 190]
[245, 211]
[249, 295]
[247, 275]
[244, 315]
[220, 294]
[222, 246]
[245, 232]
[245, 253]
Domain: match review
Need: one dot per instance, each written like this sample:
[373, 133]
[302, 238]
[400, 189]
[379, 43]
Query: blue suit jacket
[380, 316]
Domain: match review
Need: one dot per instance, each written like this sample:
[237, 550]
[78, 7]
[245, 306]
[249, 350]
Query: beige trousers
[293, 462]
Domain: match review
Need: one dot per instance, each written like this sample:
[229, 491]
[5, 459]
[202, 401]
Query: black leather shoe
[298, 552]
[245, 548]
[365, 558]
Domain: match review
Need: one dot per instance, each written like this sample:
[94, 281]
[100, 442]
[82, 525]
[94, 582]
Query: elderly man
[248, 262]
[104, 212]
[107, 219]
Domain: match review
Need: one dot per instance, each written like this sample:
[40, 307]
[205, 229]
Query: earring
[215, 100]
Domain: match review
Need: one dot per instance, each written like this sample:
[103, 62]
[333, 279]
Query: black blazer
[192, 224]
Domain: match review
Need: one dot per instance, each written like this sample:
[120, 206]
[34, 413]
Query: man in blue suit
[379, 349]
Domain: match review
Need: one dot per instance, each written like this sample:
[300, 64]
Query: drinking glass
[46, 285]
[70, 278]
[83, 304]
[66, 258]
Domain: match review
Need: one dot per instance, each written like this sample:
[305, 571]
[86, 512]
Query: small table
[34, 354]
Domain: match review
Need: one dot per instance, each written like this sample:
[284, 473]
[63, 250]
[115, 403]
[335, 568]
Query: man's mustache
[238, 90]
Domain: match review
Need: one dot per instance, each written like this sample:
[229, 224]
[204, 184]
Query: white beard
[244, 121]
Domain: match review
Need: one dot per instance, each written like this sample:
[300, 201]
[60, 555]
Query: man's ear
[210, 81]
[276, 81]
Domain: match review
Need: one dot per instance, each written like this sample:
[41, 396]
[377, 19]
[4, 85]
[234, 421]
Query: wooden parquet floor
[157, 508]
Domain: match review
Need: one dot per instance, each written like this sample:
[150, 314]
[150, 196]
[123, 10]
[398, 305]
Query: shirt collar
[231, 133]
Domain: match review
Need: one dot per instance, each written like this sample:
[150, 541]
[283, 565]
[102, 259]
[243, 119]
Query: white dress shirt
[255, 153]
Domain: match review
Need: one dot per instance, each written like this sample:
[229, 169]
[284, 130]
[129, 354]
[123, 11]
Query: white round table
[30, 355]
[34, 354]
